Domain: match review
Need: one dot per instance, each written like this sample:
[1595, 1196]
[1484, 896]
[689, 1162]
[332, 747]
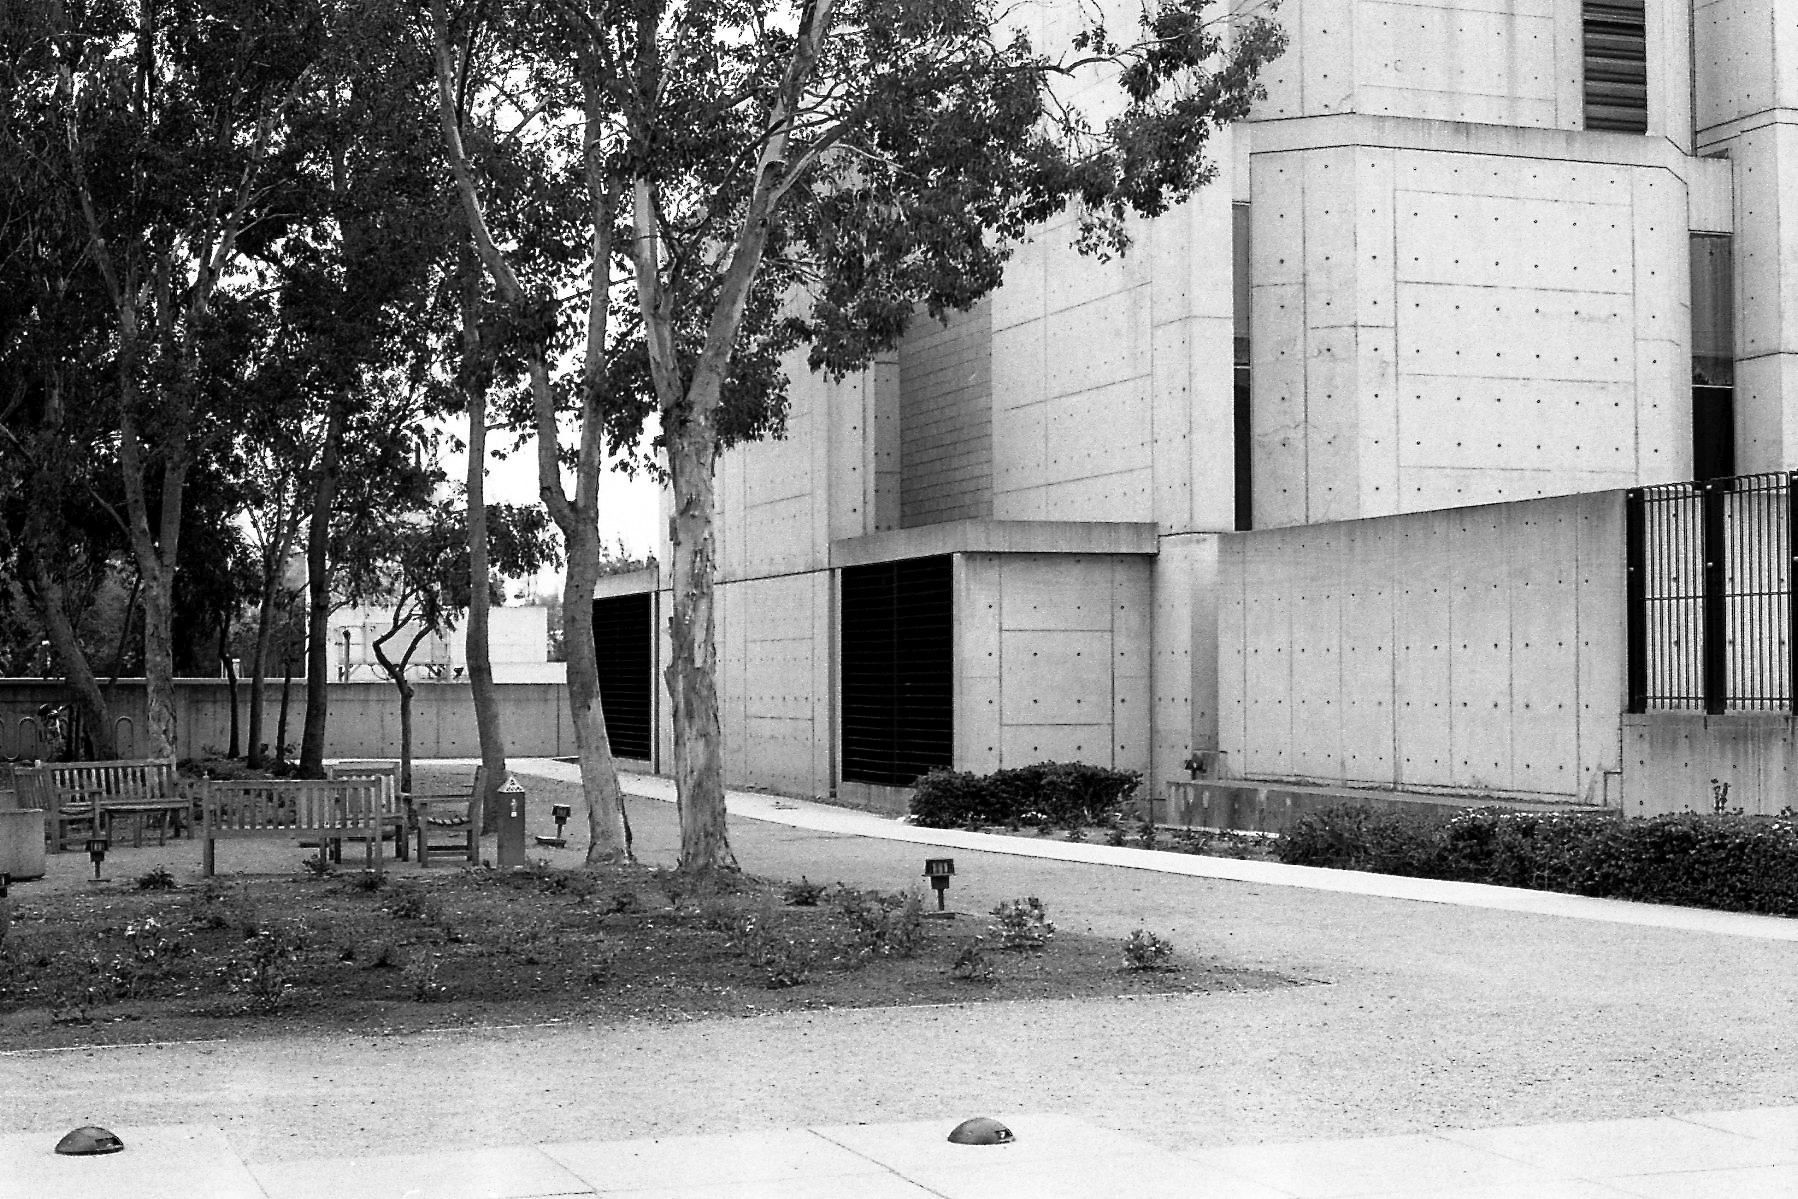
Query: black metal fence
[1712, 625]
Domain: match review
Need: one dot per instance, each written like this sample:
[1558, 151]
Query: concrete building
[518, 644]
[1326, 481]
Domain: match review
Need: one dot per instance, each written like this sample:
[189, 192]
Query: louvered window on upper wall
[1616, 36]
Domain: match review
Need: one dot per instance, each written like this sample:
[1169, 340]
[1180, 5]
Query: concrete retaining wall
[364, 718]
[1475, 650]
[1672, 758]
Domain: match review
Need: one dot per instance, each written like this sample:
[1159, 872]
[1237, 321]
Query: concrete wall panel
[1368, 605]
[1433, 650]
[1543, 555]
[1056, 678]
[1479, 636]
[1313, 654]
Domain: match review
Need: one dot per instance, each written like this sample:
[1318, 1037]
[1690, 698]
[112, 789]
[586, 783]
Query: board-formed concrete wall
[946, 418]
[1052, 660]
[1478, 650]
[364, 717]
[1497, 62]
[774, 681]
[1436, 329]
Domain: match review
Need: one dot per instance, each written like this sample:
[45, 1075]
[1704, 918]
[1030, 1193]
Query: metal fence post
[1715, 603]
[1635, 590]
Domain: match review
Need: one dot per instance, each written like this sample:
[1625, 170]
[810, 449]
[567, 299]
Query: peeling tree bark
[318, 614]
[489, 724]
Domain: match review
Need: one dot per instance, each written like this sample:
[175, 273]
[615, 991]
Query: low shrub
[887, 925]
[265, 966]
[1048, 794]
[1143, 950]
[804, 893]
[973, 965]
[1727, 862]
[1022, 924]
[409, 901]
[157, 878]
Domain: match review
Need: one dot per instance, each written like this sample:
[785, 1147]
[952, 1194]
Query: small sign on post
[96, 849]
[938, 870]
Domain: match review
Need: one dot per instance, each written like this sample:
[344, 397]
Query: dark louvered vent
[1616, 34]
[624, 636]
[898, 673]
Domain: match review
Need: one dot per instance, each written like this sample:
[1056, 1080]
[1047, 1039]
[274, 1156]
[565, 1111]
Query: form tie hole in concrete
[89, 1140]
[981, 1130]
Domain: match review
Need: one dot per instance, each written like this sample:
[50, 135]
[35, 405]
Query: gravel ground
[1418, 1015]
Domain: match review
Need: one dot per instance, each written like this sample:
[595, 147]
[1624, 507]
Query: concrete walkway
[1445, 1043]
[1750, 1154]
[826, 818]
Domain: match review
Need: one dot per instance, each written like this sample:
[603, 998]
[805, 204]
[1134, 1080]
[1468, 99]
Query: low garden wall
[364, 718]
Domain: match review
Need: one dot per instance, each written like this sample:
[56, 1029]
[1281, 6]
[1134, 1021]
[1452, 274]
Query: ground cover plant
[342, 950]
[1728, 861]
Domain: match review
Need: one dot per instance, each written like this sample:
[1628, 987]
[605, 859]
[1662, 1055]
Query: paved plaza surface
[1441, 1044]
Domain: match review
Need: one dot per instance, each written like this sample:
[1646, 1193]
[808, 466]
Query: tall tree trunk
[692, 674]
[75, 665]
[265, 634]
[488, 723]
[406, 690]
[318, 579]
[577, 519]
[160, 718]
[286, 694]
[235, 749]
[610, 839]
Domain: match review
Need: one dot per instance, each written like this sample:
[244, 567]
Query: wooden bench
[456, 824]
[386, 770]
[97, 793]
[326, 811]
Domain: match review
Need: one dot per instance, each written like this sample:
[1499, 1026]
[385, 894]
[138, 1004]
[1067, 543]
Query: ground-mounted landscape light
[981, 1130]
[560, 812]
[87, 1141]
[96, 850]
[938, 870]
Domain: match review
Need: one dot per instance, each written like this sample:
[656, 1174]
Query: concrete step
[1269, 806]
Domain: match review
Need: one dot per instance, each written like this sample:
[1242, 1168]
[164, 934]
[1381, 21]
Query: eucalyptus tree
[60, 522]
[771, 174]
[174, 139]
[359, 260]
[412, 565]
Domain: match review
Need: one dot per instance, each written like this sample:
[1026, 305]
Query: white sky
[628, 508]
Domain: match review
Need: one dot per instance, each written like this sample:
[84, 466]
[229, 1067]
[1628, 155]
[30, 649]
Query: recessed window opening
[897, 670]
[1713, 357]
[1616, 52]
[624, 645]
[1241, 409]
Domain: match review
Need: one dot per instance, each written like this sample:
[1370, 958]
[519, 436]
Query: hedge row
[1731, 863]
[1048, 793]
